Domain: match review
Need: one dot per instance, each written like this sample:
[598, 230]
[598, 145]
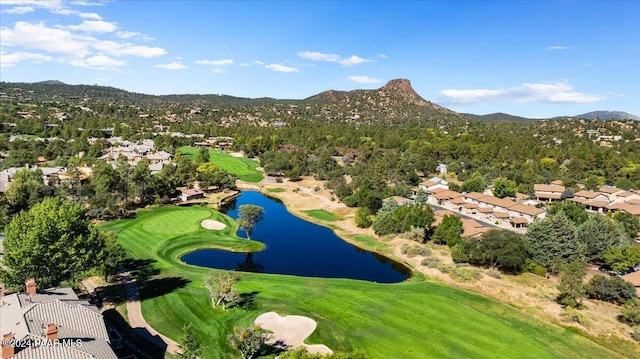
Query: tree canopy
[553, 241]
[52, 242]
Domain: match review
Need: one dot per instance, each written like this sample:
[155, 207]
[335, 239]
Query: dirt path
[136, 320]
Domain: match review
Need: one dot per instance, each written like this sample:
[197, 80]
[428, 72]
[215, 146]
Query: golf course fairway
[412, 319]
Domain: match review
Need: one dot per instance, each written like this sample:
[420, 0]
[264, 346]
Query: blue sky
[534, 59]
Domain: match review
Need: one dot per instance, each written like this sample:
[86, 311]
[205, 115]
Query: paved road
[482, 221]
[136, 320]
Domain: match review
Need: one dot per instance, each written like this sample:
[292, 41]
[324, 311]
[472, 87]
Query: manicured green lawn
[244, 168]
[413, 319]
[369, 242]
[276, 190]
[323, 215]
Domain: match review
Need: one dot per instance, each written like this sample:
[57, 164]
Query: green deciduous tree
[497, 248]
[622, 259]
[476, 183]
[25, 189]
[248, 216]
[449, 231]
[599, 234]
[248, 341]
[52, 242]
[553, 241]
[573, 210]
[630, 223]
[222, 288]
[503, 187]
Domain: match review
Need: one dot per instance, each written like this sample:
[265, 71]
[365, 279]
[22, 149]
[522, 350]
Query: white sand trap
[211, 224]
[292, 330]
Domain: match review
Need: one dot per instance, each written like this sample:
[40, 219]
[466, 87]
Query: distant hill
[608, 115]
[499, 117]
[396, 102]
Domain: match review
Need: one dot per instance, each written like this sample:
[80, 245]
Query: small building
[548, 192]
[518, 222]
[429, 186]
[191, 193]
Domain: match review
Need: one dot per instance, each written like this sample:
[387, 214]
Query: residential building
[191, 193]
[52, 324]
[548, 192]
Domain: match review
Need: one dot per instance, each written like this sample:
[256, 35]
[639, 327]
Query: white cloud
[281, 68]
[353, 60]
[56, 7]
[321, 56]
[383, 56]
[364, 80]
[89, 15]
[171, 66]
[40, 37]
[556, 48]
[215, 62]
[218, 71]
[558, 92]
[133, 35]
[259, 63]
[120, 49]
[18, 10]
[10, 60]
[95, 26]
[98, 62]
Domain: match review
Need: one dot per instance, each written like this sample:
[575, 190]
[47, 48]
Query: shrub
[630, 313]
[415, 250]
[465, 275]
[636, 334]
[431, 262]
[494, 274]
[458, 254]
[447, 268]
[415, 234]
[533, 267]
[614, 290]
[572, 315]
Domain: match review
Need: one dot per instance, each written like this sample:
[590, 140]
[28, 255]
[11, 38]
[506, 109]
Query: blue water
[298, 247]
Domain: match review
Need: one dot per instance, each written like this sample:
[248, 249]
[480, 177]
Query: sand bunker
[292, 330]
[211, 224]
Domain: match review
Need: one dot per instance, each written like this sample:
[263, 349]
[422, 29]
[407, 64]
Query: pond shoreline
[299, 211]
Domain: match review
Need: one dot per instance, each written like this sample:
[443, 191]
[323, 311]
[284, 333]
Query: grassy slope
[244, 168]
[323, 215]
[414, 319]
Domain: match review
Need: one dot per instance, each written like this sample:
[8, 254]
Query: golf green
[242, 167]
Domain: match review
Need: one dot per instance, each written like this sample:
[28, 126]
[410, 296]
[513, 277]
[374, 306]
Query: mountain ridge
[396, 101]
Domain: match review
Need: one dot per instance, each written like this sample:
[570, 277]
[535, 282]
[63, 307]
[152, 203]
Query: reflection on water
[298, 247]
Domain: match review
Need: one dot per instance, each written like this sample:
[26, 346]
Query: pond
[297, 247]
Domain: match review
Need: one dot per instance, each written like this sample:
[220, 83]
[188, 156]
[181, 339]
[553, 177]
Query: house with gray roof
[53, 324]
